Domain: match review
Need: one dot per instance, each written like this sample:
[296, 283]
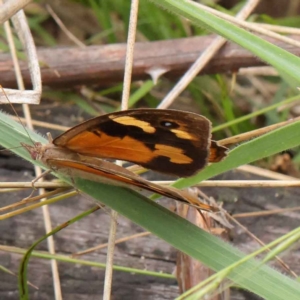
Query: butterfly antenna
[17, 115]
[11, 148]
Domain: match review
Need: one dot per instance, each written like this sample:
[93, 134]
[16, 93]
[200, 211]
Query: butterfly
[168, 141]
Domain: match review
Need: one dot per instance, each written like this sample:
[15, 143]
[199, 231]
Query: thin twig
[44, 124]
[118, 241]
[254, 133]
[28, 185]
[37, 205]
[266, 212]
[31, 200]
[242, 183]
[258, 71]
[279, 29]
[265, 173]
[62, 26]
[129, 53]
[110, 255]
[206, 183]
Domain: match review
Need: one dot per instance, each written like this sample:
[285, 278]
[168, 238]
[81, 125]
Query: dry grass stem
[129, 54]
[124, 105]
[11, 7]
[241, 183]
[118, 241]
[265, 173]
[258, 71]
[31, 200]
[279, 29]
[37, 205]
[254, 133]
[22, 95]
[266, 212]
[44, 124]
[62, 26]
[28, 185]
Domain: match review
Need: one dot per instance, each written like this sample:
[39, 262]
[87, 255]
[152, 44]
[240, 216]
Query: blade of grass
[256, 113]
[285, 241]
[68, 259]
[22, 278]
[139, 93]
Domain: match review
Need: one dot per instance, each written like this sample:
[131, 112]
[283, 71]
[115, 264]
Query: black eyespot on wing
[169, 124]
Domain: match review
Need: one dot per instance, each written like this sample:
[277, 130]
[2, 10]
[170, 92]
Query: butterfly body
[168, 141]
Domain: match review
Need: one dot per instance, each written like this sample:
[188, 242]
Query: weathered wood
[104, 65]
[82, 282]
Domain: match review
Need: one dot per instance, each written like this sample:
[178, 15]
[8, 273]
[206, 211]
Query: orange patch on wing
[217, 152]
[129, 149]
[131, 121]
[105, 146]
[183, 134]
[175, 154]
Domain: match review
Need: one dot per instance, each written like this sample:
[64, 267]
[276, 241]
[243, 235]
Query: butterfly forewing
[168, 141]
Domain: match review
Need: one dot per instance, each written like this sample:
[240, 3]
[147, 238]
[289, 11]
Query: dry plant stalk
[24, 34]
[190, 272]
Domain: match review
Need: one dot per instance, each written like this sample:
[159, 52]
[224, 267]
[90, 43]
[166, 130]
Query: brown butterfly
[168, 141]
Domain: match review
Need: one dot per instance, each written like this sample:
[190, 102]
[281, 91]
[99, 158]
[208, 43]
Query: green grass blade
[23, 286]
[256, 113]
[68, 259]
[143, 90]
